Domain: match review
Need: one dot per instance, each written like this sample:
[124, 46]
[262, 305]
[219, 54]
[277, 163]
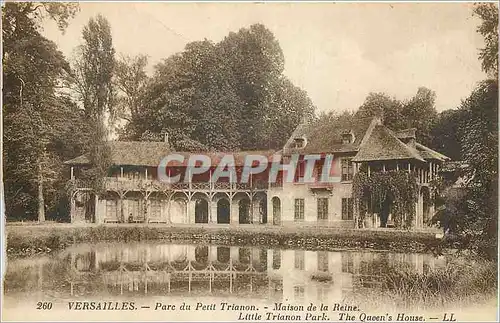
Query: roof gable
[383, 144]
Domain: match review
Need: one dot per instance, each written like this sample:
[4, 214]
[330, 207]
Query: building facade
[134, 194]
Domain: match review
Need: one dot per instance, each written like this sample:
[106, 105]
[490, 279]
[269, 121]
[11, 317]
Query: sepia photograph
[249, 161]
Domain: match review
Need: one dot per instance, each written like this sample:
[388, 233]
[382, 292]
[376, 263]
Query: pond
[149, 273]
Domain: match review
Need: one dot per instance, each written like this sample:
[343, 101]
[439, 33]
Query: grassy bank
[463, 282]
[27, 240]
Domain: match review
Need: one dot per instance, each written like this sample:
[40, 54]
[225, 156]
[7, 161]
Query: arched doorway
[178, 212]
[244, 211]
[426, 204]
[201, 254]
[201, 211]
[276, 210]
[223, 211]
[263, 210]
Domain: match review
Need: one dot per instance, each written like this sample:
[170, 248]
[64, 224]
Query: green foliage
[93, 73]
[445, 133]
[462, 278]
[399, 188]
[418, 112]
[488, 12]
[224, 96]
[42, 125]
[479, 140]
[130, 78]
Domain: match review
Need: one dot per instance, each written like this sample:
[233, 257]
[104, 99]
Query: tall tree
[445, 133]
[385, 107]
[417, 112]
[130, 79]
[93, 74]
[222, 96]
[478, 134]
[420, 112]
[33, 70]
[488, 12]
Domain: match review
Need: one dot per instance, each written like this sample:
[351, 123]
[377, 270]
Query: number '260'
[43, 305]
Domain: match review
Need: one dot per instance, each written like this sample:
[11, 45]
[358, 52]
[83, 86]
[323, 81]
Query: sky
[337, 52]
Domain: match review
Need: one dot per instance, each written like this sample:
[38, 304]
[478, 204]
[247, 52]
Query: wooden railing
[126, 184]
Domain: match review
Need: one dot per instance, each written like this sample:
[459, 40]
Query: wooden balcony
[321, 186]
[126, 184]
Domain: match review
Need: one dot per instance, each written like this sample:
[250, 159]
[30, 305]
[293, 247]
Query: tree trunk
[41, 200]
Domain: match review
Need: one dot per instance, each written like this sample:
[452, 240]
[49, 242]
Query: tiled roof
[139, 153]
[147, 153]
[384, 145]
[428, 153]
[325, 136]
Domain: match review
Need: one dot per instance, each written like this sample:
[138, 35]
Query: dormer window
[347, 137]
[299, 143]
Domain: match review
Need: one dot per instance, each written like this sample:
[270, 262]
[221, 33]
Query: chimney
[408, 136]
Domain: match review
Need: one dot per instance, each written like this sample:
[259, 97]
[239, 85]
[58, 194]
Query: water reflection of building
[293, 276]
[281, 275]
[163, 268]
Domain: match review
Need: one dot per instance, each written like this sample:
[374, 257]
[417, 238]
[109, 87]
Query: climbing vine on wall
[399, 188]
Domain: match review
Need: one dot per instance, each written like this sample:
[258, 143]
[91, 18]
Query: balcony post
[122, 215]
[147, 206]
[430, 171]
[121, 171]
[169, 208]
[73, 206]
[251, 203]
[146, 173]
[189, 178]
[72, 173]
[96, 210]
[210, 180]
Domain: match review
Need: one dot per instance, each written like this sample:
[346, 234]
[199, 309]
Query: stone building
[134, 193]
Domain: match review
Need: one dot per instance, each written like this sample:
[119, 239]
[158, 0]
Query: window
[318, 169]
[155, 208]
[323, 291]
[347, 139]
[322, 208]
[276, 259]
[299, 209]
[347, 169]
[111, 209]
[244, 255]
[298, 292]
[135, 211]
[201, 254]
[299, 259]
[347, 208]
[323, 261]
[347, 263]
[299, 143]
[223, 254]
[300, 170]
